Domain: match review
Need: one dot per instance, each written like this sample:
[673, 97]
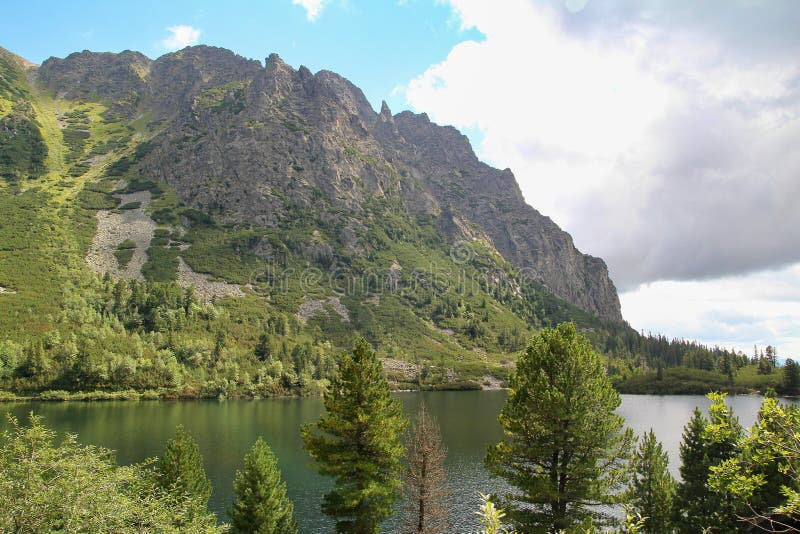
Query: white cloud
[313, 7]
[652, 144]
[180, 36]
[663, 135]
[757, 309]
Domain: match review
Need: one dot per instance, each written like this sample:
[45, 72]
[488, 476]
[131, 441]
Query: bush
[119, 167]
[82, 489]
[124, 256]
[95, 200]
[161, 264]
[150, 394]
[54, 395]
[7, 396]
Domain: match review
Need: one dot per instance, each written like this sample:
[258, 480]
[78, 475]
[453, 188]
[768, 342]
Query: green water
[226, 430]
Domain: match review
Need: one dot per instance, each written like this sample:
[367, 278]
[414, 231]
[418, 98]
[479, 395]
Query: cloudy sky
[663, 135]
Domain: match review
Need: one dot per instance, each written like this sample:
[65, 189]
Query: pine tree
[357, 441]
[652, 486]
[425, 481]
[261, 505]
[791, 377]
[565, 451]
[180, 469]
[220, 342]
[262, 350]
[723, 435]
[772, 356]
[706, 443]
[691, 492]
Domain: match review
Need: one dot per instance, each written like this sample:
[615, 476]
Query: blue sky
[664, 135]
[377, 44]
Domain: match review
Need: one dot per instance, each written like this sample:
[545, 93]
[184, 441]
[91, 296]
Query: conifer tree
[652, 486]
[262, 350]
[707, 442]
[261, 505]
[357, 442]
[180, 469]
[565, 451]
[691, 492]
[791, 377]
[425, 481]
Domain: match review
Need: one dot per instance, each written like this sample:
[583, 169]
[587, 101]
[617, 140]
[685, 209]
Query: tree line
[567, 461]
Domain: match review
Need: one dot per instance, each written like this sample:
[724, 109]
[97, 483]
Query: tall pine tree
[565, 452]
[652, 486]
[261, 505]
[689, 500]
[357, 442]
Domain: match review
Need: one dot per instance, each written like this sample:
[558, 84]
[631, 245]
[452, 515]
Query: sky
[664, 135]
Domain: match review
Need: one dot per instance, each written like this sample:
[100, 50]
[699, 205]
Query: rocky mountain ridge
[253, 144]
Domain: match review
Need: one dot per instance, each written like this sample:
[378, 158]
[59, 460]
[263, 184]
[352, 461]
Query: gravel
[114, 228]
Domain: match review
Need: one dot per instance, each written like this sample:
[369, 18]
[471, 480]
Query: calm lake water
[226, 430]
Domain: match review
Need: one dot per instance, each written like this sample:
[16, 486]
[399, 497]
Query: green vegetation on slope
[22, 148]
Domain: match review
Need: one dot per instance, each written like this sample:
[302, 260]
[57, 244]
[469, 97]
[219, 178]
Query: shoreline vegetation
[560, 418]
[668, 381]
[171, 396]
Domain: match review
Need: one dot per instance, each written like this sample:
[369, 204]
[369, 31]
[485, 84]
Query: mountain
[282, 198]
[272, 138]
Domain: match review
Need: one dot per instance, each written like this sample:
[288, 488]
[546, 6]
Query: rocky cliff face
[253, 144]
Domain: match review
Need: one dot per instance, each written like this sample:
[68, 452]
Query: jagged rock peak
[348, 95]
[274, 64]
[210, 60]
[304, 73]
[204, 53]
[386, 113]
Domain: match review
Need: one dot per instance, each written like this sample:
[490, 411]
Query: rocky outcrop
[260, 144]
[492, 200]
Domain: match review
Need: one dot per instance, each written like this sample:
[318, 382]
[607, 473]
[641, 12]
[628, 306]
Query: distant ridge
[21, 61]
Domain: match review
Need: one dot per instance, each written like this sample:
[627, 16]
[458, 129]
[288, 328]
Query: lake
[225, 431]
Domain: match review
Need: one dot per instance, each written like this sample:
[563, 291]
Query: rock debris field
[115, 227]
